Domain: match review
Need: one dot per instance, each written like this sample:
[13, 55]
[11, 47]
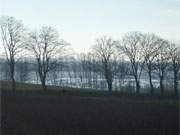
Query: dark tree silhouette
[12, 33]
[175, 62]
[131, 46]
[46, 47]
[162, 62]
[150, 47]
[104, 49]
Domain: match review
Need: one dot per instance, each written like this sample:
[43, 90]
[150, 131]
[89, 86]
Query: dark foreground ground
[63, 114]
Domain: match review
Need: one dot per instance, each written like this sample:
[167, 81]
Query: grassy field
[66, 111]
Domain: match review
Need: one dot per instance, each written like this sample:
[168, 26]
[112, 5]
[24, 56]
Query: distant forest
[137, 62]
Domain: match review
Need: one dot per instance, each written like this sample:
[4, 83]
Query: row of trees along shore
[144, 52]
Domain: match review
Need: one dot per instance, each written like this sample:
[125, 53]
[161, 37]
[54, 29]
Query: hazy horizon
[81, 22]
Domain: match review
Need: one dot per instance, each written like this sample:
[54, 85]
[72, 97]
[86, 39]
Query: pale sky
[80, 22]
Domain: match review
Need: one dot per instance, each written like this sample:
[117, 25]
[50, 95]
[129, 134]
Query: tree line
[134, 54]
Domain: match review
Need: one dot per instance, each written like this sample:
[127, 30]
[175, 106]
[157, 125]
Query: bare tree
[46, 47]
[175, 62]
[12, 33]
[162, 62]
[131, 46]
[150, 47]
[104, 49]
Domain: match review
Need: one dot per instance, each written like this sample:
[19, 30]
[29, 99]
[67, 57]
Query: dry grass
[71, 111]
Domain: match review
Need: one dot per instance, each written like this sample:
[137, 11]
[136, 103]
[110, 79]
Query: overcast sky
[80, 22]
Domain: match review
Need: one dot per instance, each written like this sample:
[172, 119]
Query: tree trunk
[108, 76]
[161, 85]
[12, 76]
[175, 84]
[151, 84]
[44, 84]
[137, 87]
[13, 84]
[110, 86]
